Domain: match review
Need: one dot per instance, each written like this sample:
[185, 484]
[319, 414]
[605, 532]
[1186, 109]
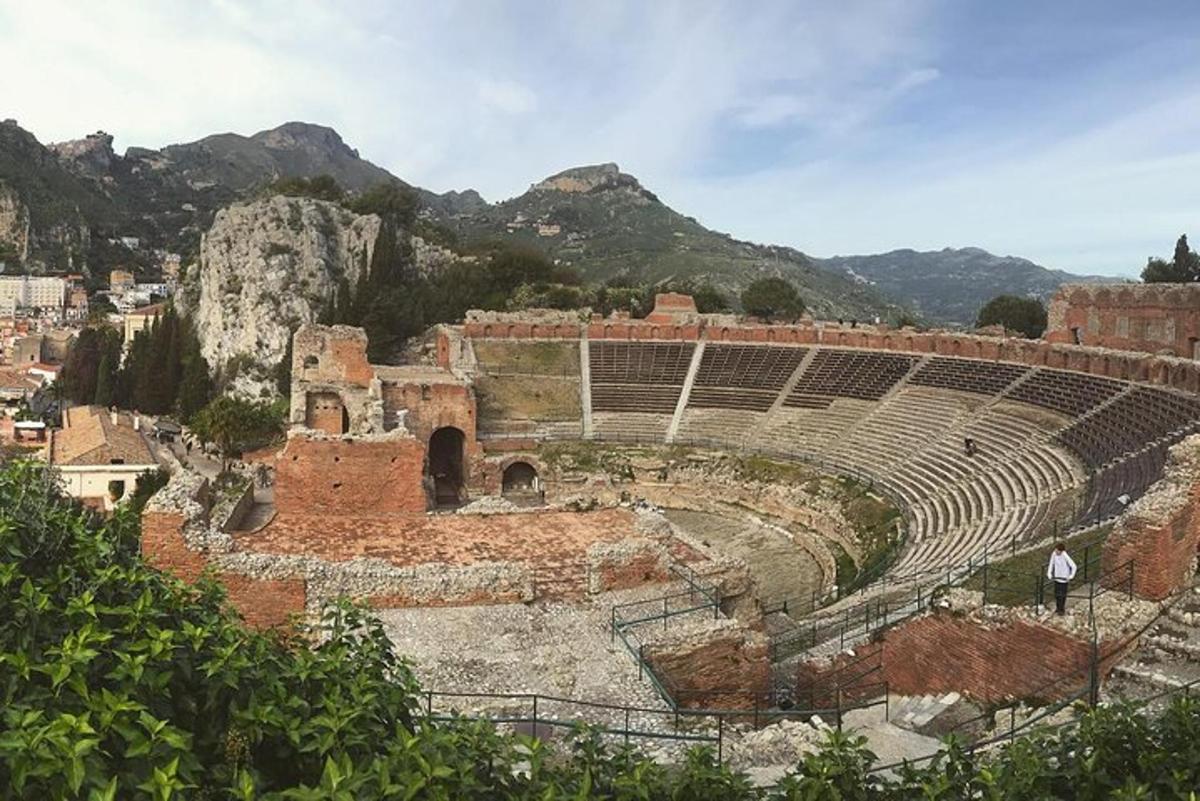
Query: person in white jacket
[1060, 571]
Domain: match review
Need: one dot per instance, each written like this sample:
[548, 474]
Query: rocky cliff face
[14, 224]
[266, 267]
[594, 178]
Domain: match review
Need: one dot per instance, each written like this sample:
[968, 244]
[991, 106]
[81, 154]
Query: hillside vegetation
[951, 285]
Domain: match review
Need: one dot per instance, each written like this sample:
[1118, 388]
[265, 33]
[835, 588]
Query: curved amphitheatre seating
[1048, 441]
[635, 387]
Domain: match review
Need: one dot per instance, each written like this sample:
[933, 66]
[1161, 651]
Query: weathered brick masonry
[1160, 532]
[725, 666]
[989, 661]
[263, 603]
[1149, 317]
[350, 477]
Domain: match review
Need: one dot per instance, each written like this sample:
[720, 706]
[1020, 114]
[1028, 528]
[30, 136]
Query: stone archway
[520, 482]
[444, 466]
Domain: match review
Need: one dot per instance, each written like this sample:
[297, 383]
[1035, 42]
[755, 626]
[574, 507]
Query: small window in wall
[116, 490]
[324, 411]
[1075, 338]
[310, 362]
[1194, 342]
[116, 461]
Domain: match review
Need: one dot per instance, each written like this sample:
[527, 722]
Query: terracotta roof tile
[89, 437]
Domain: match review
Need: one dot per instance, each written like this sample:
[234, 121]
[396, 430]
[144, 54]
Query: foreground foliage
[119, 682]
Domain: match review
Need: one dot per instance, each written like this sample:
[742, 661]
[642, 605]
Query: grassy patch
[531, 358]
[519, 398]
[769, 471]
[1012, 581]
[586, 457]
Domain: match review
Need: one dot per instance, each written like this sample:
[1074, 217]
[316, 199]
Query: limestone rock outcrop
[265, 268]
[14, 222]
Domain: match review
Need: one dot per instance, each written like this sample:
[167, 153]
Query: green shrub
[119, 682]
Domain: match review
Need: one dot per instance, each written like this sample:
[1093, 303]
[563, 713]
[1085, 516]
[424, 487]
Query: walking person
[1061, 571]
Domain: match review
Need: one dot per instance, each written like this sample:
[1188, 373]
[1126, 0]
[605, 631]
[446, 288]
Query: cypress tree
[104, 382]
[195, 387]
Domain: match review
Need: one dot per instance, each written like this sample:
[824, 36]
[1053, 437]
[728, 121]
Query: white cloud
[507, 96]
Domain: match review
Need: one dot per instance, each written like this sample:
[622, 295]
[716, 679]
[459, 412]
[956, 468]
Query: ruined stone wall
[425, 407]
[720, 665]
[330, 372]
[944, 652]
[325, 476]
[1160, 532]
[993, 654]
[625, 564]
[180, 536]
[1141, 317]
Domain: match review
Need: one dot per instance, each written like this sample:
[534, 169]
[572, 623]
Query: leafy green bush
[1026, 316]
[118, 682]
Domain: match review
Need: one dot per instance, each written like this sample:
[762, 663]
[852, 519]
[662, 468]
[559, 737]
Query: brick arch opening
[520, 482]
[444, 466]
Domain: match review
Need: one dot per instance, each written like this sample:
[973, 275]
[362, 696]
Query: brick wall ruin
[720, 665]
[1141, 317]
[334, 388]
[328, 476]
[993, 655]
[1160, 532]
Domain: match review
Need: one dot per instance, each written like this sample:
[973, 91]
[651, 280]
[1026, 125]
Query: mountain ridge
[596, 218]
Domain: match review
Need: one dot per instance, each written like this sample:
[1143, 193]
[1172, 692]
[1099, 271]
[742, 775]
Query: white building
[32, 292]
[100, 454]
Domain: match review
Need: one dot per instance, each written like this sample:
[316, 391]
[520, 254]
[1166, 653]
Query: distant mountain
[66, 206]
[605, 223]
[62, 202]
[950, 285]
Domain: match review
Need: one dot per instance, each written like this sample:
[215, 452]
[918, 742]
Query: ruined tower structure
[1154, 318]
[371, 439]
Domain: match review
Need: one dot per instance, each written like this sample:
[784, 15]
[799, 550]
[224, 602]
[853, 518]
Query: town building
[17, 389]
[31, 292]
[99, 454]
[120, 280]
[140, 320]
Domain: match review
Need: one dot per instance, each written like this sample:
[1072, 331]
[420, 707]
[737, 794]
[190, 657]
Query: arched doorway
[520, 483]
[445, 466]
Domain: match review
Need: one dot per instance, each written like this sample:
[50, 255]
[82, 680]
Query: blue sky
[1065, 132]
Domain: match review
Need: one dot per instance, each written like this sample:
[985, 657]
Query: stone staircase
[918, 711]
[1167, 658]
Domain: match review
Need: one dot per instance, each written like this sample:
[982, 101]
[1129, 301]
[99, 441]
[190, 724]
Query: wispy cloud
[846, 127]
